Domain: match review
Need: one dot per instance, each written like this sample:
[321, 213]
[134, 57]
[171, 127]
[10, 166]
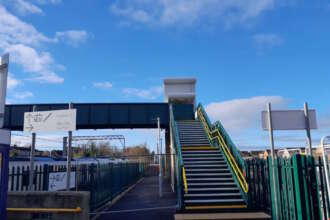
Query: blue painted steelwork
[4, 154]
[103, 115]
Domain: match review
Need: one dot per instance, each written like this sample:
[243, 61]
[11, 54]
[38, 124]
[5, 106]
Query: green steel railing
[220, 139]
[106, 181]
[178, 159]
[229, 142]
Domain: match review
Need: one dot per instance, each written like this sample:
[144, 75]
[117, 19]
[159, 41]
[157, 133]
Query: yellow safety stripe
[185, 180]
[229, 156]
[216, 207]
[78, 209]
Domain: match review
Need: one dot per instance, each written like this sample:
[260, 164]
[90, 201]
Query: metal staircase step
[201, 155]
[204, 165]
[214, 189]
[207, 174]
[192, 138]
[203, 162]
[209, 179]
[201, 152]
[214, 201]
[212, 194]
[203, 158]
[223, 184]
[195, 144]
[207, 170]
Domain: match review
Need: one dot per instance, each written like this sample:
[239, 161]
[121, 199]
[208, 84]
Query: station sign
[57, 181]
[50, 121]
[289, 120]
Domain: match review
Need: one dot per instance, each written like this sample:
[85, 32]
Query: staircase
[210, 183]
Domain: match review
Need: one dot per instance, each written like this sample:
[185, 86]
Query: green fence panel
[296, 188]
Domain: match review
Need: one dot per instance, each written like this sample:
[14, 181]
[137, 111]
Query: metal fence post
[45, 177]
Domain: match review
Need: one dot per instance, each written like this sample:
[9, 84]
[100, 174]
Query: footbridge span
[206, 169]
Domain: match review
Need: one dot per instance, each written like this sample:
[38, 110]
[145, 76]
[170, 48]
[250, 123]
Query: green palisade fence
[300, 188]
[257, 176]
[106, 181]
[297, 189]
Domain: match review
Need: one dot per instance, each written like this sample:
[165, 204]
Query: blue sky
[244, 53]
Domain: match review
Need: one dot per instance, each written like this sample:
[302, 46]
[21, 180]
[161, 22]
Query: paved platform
[143, 203]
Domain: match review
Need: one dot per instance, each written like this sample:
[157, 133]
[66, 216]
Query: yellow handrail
[229, 156]
[47, 210]
[184, 180]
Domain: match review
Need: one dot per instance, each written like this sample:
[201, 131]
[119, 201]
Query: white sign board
[49, 121]
[57, 181]
[289, 120]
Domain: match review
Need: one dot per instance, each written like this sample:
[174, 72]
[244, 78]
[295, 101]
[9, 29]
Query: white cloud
[54, 2]
[72, 37]
[23, 95]
[103, 85]
[13, 31]
[22, 40]
[240, 114]
[150, 93]
[37, 63]
[24, 7]
[183, 12]
[12, 82]
[264, 41]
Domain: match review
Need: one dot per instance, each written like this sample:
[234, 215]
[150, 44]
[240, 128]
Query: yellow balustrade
[215, 134]
[184, 180]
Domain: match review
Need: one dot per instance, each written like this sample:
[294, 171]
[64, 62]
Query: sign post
[69, 157]
[33, 146]
[272, 149]
[308, 130]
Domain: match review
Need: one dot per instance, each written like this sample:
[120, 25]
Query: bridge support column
[167, 152]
